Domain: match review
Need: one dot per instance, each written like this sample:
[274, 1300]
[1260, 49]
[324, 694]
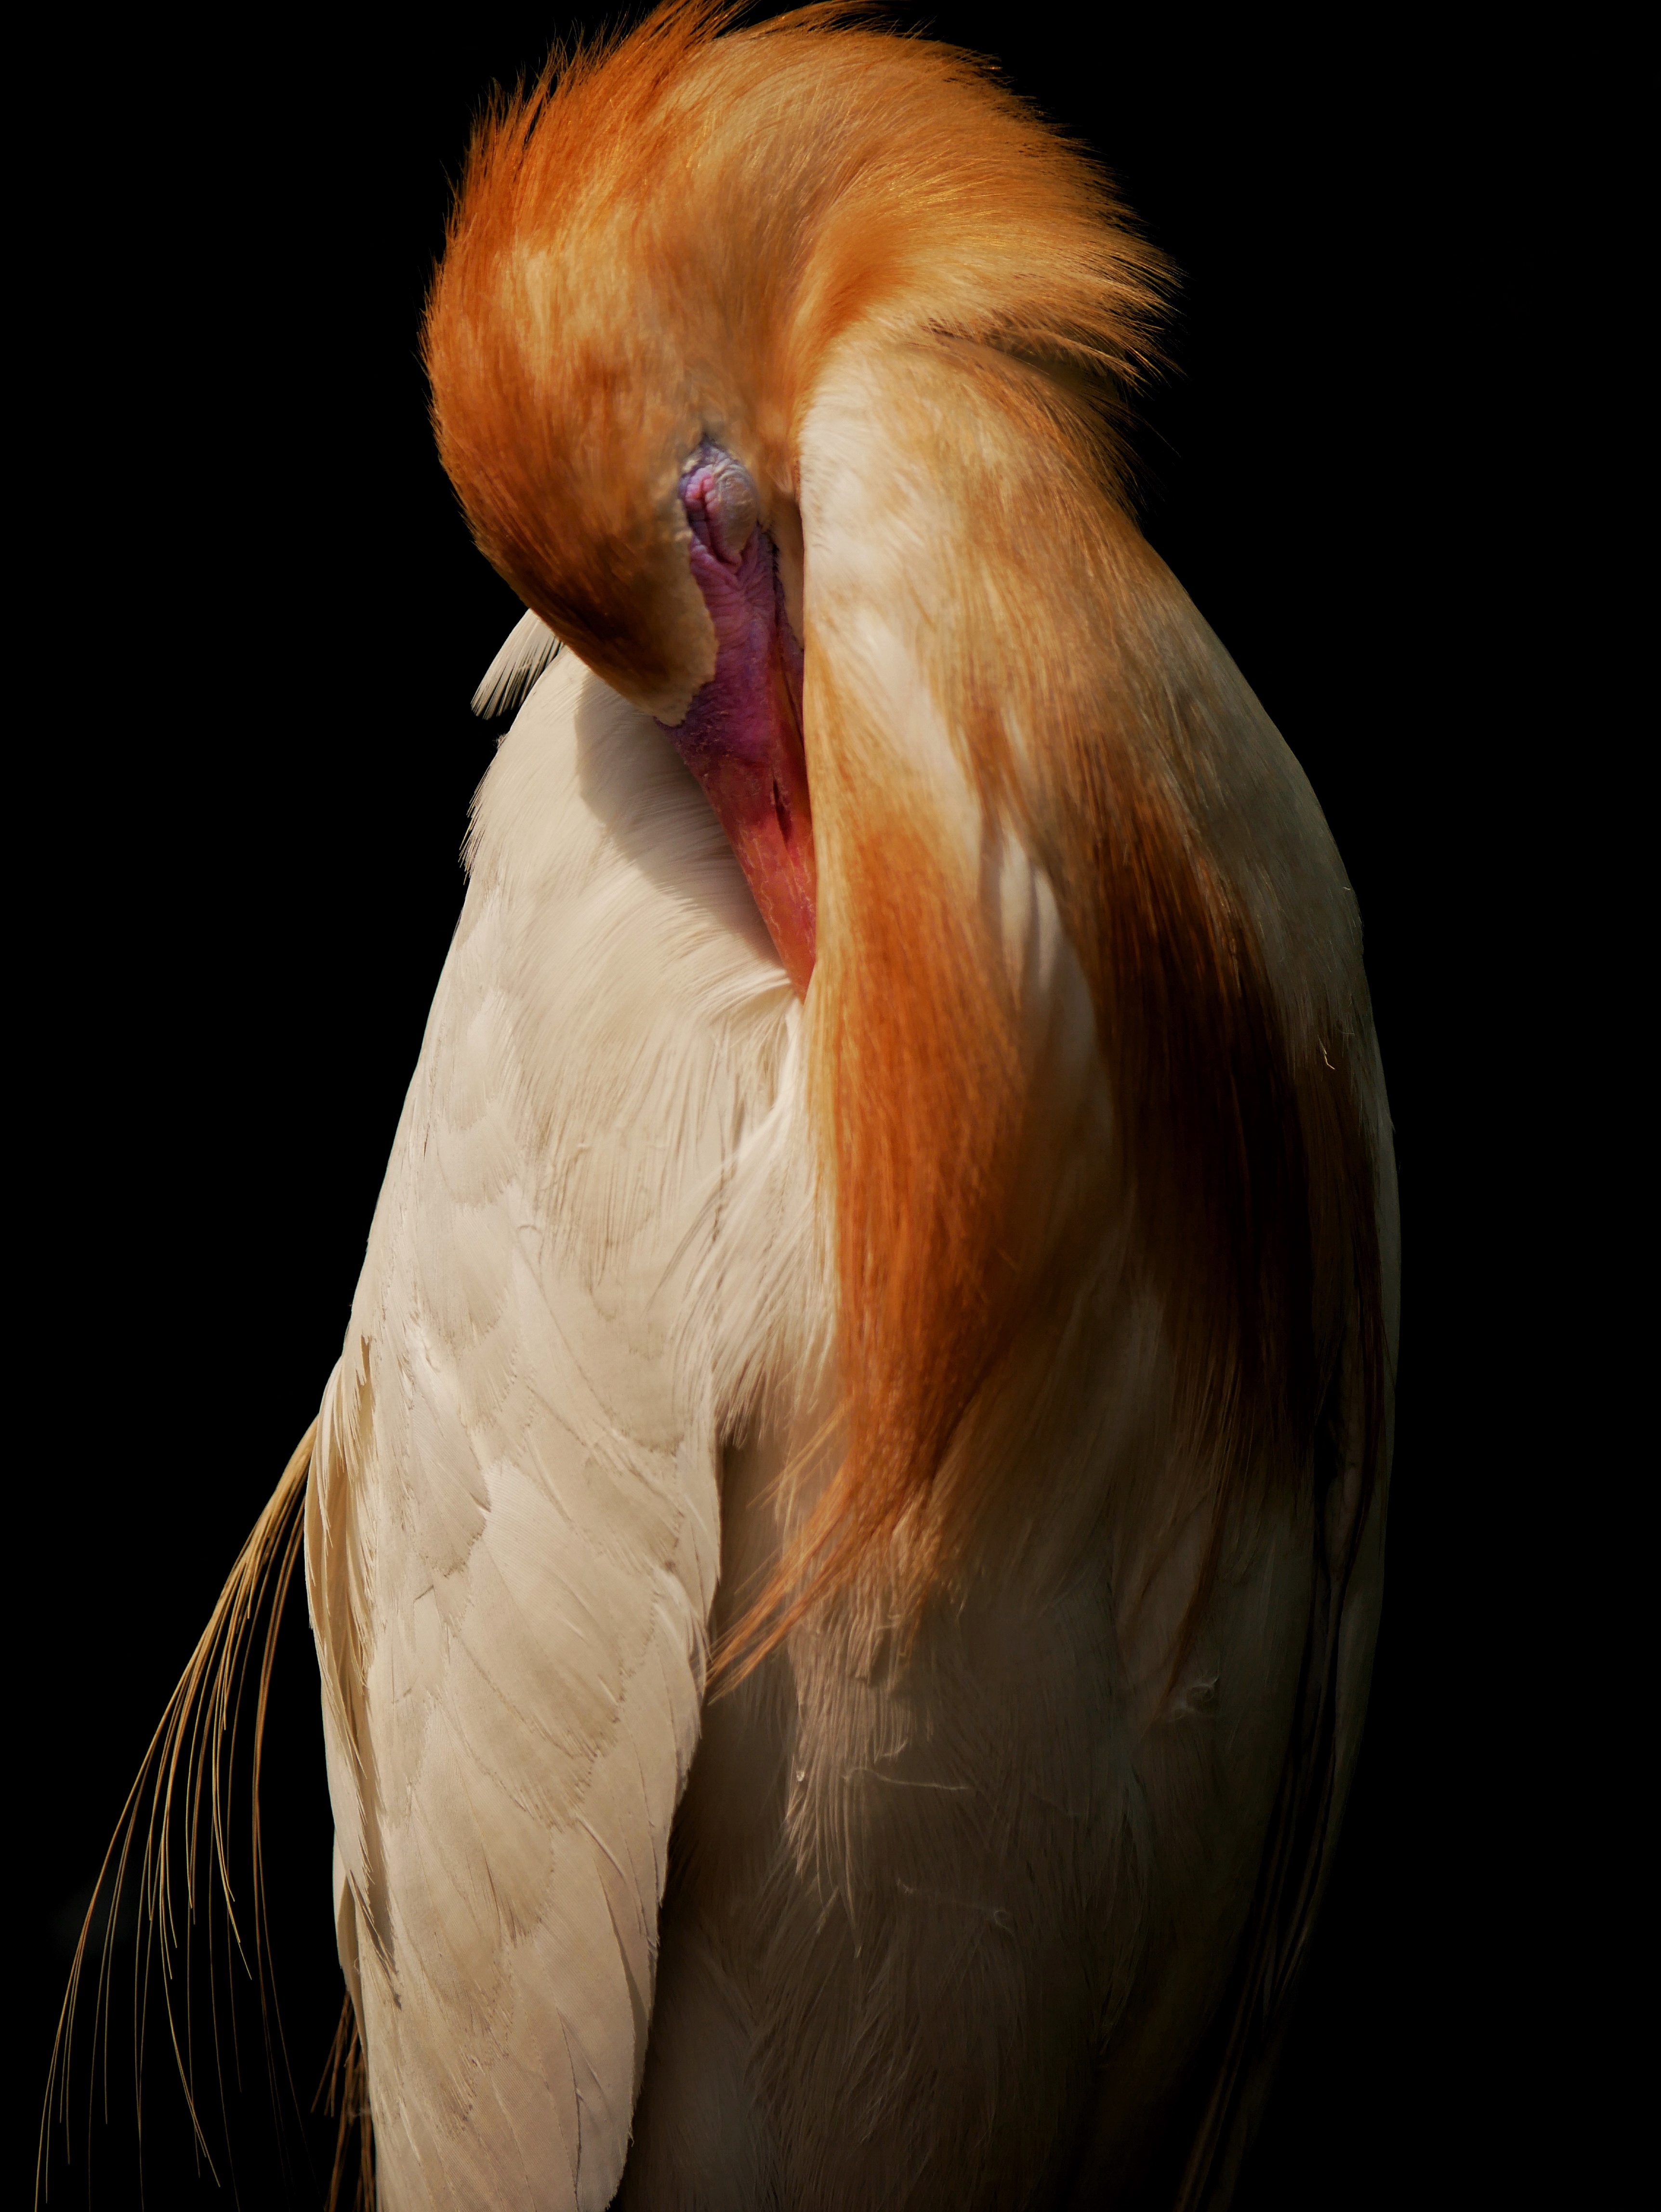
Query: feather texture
[187, 1771]
[1008, 1328]
[528, 647]
[512, 1527]
[990, 1355]
[910, 311]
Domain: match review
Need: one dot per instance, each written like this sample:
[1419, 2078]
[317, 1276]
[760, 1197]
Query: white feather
[514, 1536]
[529, 646]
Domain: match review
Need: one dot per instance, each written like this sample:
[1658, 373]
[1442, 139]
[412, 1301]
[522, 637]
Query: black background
[254, 624]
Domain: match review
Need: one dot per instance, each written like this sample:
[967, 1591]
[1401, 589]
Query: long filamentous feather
[343, 2093]
[184, 1766]
[529, 646]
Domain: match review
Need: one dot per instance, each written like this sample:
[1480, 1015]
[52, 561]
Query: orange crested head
[665, 243]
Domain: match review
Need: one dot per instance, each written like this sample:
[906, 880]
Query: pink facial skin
[742, 735]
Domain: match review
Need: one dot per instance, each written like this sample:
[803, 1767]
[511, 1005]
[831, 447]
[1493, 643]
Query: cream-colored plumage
[514, 1529]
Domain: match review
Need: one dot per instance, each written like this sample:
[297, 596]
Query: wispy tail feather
[186, 1766]
[344, 2093]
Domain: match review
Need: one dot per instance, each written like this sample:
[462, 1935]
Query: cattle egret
[845, 1542]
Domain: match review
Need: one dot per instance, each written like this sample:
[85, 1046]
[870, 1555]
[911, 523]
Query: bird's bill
[742, 735]
[763, 806]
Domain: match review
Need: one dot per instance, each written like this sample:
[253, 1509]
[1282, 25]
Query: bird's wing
[1320, 1762]
[514, 1535]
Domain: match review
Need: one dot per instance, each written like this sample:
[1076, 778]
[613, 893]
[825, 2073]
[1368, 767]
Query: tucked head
[657, 260]
[741, 736]
[775, 369]
[669, 244]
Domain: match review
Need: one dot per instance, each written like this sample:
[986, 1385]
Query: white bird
[908, 1204]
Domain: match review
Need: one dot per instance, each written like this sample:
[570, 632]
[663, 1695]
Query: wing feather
[1336, 1671]
[516, 1535]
